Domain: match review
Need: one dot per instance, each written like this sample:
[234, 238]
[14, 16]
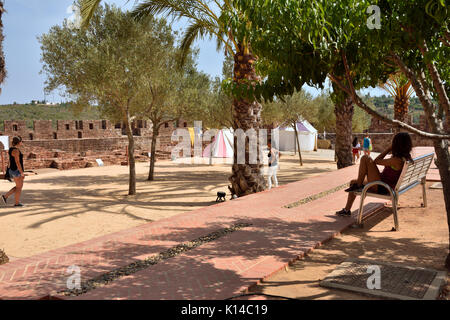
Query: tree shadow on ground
[217, 270]
[174, 191]
[373, 245]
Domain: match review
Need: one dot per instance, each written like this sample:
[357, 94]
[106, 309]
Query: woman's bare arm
[390, 162]
[382, 155]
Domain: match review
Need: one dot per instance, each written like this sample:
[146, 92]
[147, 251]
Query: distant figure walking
[16, 171]
[356, 149]
[273, 156]
[367, 144]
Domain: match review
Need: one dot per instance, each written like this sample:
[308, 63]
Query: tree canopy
[127, 67]
[302, 42]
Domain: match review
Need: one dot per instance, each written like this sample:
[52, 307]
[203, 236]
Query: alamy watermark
[250, 144]
[374, 21]
[74, 280]
[374, 281]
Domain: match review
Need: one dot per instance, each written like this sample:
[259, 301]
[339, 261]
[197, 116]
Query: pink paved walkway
[216, 270]
[433, 173]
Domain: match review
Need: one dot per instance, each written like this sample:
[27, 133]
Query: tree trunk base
[246, 179]
[3, 257]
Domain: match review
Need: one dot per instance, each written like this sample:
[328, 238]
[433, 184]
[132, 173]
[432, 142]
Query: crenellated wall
[67, 146]
[71, 129]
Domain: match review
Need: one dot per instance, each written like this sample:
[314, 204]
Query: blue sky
[27, 19]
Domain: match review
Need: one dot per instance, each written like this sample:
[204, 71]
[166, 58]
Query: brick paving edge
[319, 244]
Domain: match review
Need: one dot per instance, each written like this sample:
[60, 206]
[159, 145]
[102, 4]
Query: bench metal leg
[394, 209]
[359, 223]
[424, 193]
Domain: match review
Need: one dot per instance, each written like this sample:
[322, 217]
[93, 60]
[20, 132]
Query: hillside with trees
[30, 112]
[385, 104]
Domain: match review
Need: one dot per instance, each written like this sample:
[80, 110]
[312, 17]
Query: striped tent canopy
[222, 145]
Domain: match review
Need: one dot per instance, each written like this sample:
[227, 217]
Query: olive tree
[110, 64]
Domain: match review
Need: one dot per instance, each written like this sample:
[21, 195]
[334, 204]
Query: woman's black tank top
[12, 160]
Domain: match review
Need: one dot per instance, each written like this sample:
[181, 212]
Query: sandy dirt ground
[421, 241]
[66, 207]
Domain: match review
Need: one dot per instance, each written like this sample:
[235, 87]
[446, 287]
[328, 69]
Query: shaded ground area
[67, 207]
[422, 241]
[274, 235]
[215, 270]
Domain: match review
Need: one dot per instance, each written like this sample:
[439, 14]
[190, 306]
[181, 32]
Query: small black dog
[220, 196]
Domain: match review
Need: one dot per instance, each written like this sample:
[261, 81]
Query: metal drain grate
[387, 280]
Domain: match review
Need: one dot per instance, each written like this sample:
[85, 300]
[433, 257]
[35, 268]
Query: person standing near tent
[273, 156]
[367, 144]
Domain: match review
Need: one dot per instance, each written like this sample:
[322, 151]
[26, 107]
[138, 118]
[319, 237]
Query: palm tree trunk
[298, 144]
[151, 172]
[344, 115]
[401, 103]
[2, 56]
[246, 178]
[131, 162]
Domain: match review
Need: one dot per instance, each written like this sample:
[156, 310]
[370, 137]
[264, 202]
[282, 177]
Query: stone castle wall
[77, 143]
[381, 134]
[71, 129]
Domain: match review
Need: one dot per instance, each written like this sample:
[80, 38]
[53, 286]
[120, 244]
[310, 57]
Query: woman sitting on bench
[368, 170]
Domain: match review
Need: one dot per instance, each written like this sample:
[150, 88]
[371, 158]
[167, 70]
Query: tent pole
[210, 156]
[210, 152]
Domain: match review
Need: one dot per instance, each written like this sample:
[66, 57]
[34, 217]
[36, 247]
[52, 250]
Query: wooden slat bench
[413, 174]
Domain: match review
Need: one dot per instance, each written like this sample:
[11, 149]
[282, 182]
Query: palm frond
[203, 20]
[389, 88]
[178, 9]
[409, 90]
[196, 30]
[220, 41]
[398, 85]
[88, 8]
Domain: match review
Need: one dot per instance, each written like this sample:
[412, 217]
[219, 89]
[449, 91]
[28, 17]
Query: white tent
[5, 141]
[222, 145]
[307, 135]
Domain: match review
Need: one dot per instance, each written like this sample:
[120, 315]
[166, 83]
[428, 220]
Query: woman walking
[15, 171]
[356, 147]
